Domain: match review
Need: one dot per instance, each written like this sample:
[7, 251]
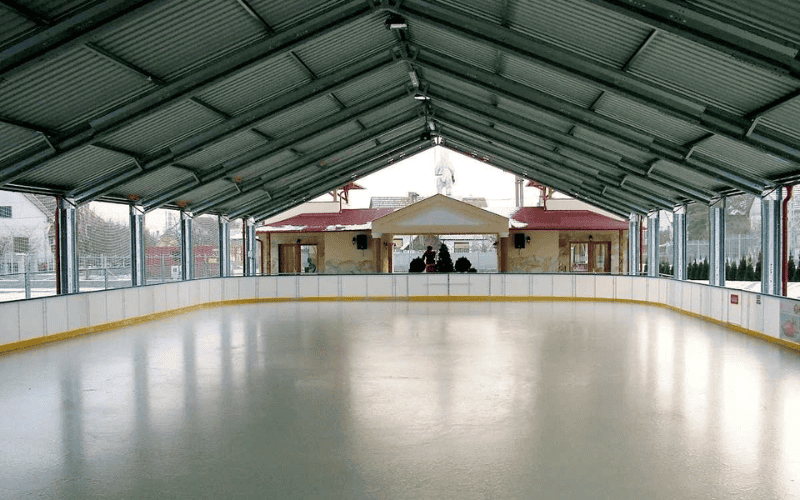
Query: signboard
[734, 298]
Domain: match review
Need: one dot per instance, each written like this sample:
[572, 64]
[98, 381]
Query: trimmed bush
[417, 265]
[463, 265]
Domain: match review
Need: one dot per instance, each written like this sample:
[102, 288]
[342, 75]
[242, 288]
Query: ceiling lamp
[420, 96]
[395, 22]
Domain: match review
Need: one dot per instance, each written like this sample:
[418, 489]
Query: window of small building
[461, 247]
[5, 212]
[398, 243]
[579, 257]
[308, 258]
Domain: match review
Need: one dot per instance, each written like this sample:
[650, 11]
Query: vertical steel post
[249, 247]
[716, 243]
[771, 231]
[224, 247]
[653, 223]
[67, 246]
[634, 221]
[187, 254]
[137, 246]
[679, 242]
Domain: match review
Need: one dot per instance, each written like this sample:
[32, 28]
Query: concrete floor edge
[38, 341]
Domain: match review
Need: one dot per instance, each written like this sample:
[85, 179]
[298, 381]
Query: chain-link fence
[162, 237]
[104, 246]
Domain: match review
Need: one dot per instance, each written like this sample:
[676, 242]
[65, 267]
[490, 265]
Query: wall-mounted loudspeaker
[362, 242]
[519, 240]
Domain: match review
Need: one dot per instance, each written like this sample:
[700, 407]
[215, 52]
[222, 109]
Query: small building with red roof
[532, 239]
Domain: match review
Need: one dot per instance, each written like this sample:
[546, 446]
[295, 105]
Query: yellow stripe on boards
[37, 341]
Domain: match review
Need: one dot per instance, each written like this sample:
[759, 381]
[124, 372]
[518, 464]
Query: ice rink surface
[399, 400]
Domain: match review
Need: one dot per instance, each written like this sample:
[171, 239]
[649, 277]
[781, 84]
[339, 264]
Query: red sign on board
[734, 299]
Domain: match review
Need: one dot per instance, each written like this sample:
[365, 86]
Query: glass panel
[104, 246]
[27, 246]
[665, 233]
[205, 246]
[600, 261]
[308, 258]
[162, 246]
[697, 242]
[743, 242]
[579, 256]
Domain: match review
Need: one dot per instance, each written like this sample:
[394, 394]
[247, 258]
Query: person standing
[430, 260]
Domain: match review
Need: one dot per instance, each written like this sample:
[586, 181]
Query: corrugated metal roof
[551, 81]
[177, 36]
[333, 50]
[580, 26]
[377, 83]
[162, 128]
[217, 153]
[14, 140]
[68, 89]
[264, 166]
[204, 192]
[325, 138]
[743, 157]
[243, 200]
[78, 168]
[534, 114]
[379, 115]
[780, 17]
[647, 119]
[281, 14]
[486, 9]
[530, 138]
[687, 175]
[12, 25]
[611, 144]
[287, 121]
[710, 76]
[436, 78]
[51, 9]
[785, 119]
[249, 88]
[155, 182]
[460, 47]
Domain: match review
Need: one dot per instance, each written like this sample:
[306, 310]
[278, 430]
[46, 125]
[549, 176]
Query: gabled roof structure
[250, 107]
[536, 218]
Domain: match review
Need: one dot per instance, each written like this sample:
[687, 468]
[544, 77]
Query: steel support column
[67, 227]
[653, 222]
[138, 273]
[224, 247]
[187, 253]
[679, 243]
[249, 247]
[716, 243]
[634, 222]
[771, 221]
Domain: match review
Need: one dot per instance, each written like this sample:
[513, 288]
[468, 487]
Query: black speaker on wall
[519, 240]
[361, 242]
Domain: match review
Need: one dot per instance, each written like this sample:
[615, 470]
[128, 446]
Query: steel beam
[366, 168]
[679, 243]
[615, 161]
[196, 82]
[716, 243]
[25, 12]
[224, 247]
[352, 162]
[653, 222]
[576, 115]
[122, 63]
[577, 168]
[255, 15]
[74, 30]
[506, 160]
[284, 143]
[67, 255]
[634, 246]
[714, 31]
[771, 243]
[138, 261]
[187, 250]
[249, 247]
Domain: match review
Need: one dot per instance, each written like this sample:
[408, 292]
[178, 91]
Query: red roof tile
[341, 221]
[536, 218]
